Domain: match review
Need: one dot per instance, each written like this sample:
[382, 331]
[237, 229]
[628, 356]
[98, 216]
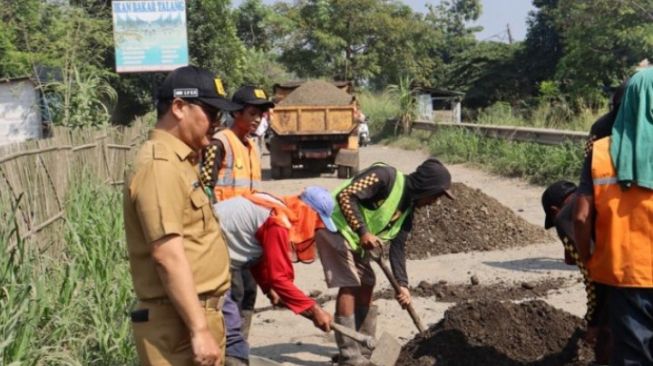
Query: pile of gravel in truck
[317, 92]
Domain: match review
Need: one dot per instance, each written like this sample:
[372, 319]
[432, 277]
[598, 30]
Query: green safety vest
[379, 221]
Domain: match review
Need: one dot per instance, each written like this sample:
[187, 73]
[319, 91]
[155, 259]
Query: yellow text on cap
[260, 94]
[218, 87]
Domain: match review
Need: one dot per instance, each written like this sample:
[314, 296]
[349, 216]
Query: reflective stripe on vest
[240, 171]
[623, 226]
[381, 222]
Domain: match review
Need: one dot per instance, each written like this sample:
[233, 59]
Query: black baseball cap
[555, 195]
[192, 82]
[249, 94]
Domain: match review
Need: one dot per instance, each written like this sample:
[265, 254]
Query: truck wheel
[275, 171]
[281, 172]
[344, 172]
[286, 172]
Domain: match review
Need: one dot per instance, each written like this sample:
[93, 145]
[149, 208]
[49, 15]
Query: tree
[19, 19]
[262, 70]
[603, 40]
[488, 73]
[405, 94]
[333, 38]
[372, 42]
[212, 40]
[253, 20]
[543, 45]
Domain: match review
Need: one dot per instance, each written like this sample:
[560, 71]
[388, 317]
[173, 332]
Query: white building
[20, 114]
[439, 105]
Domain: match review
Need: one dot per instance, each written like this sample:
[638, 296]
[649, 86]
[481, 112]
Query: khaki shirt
[162, 197]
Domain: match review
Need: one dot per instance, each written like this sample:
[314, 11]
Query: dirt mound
[501, 334]
[317, 92]
[444, 292]
[473, 221]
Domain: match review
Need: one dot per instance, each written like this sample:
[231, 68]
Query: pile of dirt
[496, 333]
[473, 221]
[317, 92]
[444, 292]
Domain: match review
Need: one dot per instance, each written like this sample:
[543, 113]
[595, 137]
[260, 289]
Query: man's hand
[403, 297]
[274, 298]
[370, 241]
[321, 318]
[177, 278]
[206, 351]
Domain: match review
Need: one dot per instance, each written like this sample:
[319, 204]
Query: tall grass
[69, 308]
[378, 108]
[539, 164]
[558, 116]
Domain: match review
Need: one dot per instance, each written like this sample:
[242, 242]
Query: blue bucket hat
[320, 200]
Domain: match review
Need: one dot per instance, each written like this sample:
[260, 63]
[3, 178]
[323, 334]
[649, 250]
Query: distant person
[618, 215]
[375, 206]
[178, 257]
[231, 163]
[262, 129]
[558, 203]
[265, 234]
[231, 166]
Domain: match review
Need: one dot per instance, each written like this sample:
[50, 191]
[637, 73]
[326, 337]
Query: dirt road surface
[293, 340]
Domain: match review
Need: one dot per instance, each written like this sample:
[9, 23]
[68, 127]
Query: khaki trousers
[164, 340]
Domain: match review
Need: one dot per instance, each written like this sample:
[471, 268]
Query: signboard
[150, 35]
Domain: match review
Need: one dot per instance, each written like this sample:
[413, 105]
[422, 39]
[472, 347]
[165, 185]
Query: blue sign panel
[150, 35]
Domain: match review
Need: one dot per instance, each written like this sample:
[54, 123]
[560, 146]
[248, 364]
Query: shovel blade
[386, 351]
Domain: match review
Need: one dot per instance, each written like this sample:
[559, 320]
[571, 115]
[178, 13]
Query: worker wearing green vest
[372, 208]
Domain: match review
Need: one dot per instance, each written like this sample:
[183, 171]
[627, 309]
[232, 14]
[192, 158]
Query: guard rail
[525, 134]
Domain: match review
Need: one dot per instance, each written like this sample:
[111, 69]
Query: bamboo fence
[36, 176]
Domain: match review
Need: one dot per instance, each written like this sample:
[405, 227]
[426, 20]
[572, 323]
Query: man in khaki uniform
[178, 257]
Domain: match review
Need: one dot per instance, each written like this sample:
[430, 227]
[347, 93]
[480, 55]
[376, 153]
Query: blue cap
[322, 202]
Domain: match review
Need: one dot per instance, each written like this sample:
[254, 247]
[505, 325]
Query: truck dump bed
[313, 120]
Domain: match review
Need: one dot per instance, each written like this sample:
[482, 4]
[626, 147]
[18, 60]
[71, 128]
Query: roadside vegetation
[69, 307]
[538, 164]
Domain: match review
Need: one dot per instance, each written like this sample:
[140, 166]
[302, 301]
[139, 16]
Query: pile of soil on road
[473, 221]
[455, 293]
[317, 92]
[496, 333]
[444, 292]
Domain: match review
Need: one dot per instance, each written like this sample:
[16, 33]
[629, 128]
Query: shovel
[377, 255]
[385, 350]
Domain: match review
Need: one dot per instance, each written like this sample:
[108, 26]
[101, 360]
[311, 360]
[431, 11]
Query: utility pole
[509, 33]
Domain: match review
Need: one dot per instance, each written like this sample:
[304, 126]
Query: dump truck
[315, 137]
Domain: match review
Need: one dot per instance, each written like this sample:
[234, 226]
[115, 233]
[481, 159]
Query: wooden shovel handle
[395, 285]
[364, 339]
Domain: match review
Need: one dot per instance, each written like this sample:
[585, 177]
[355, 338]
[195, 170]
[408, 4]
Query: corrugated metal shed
[20, 114]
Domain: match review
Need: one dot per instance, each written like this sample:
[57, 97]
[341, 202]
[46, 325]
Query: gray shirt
[240, 219]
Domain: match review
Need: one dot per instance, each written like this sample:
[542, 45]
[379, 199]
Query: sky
[496, 14]
[494, 18]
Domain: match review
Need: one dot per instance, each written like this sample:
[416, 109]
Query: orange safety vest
[240, 172]
[300, 220]
[623, 254]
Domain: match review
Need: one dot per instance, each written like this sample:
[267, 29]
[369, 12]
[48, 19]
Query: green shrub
[69, 307]
[556, 114]
[539, 164]
[378, 108]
